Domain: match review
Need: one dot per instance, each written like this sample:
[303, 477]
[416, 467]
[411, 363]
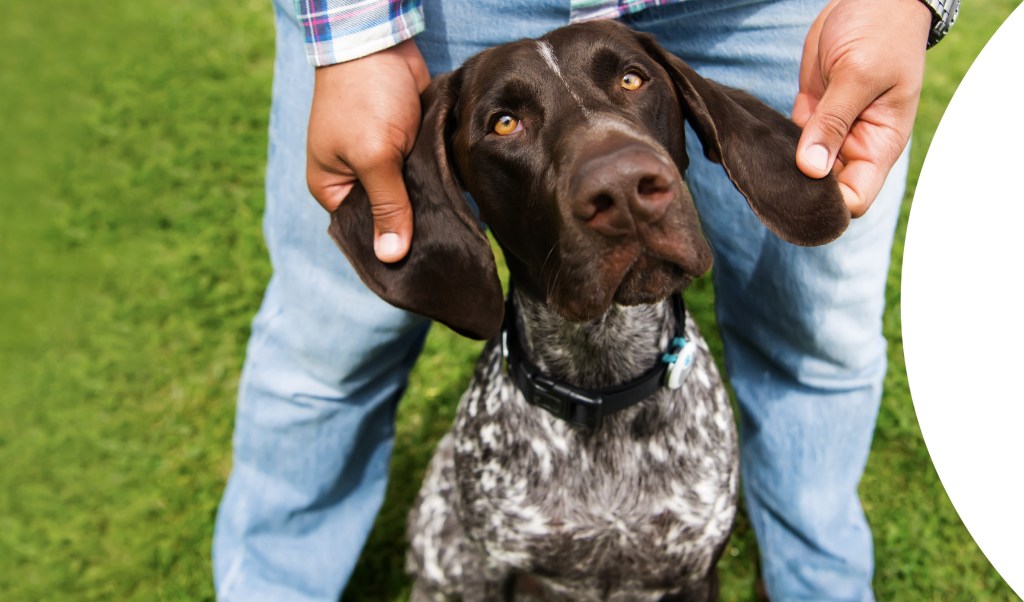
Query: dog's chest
[647, 497]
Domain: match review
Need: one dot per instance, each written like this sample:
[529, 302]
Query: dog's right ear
[449, 274]
[757, 147]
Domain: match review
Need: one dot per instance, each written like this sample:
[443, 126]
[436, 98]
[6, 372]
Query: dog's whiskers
[549, 289]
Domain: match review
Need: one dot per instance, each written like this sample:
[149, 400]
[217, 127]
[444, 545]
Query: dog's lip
[571, 307]
[645, 264]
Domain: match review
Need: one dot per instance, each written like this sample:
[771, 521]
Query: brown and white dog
[572, 147]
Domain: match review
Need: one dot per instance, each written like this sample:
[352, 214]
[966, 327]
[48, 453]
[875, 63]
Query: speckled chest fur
[636, 509]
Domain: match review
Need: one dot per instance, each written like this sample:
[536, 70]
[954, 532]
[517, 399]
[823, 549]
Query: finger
[803, 108]
[811, 87]
[860, 182]
[829, 124]
[392, 212]
[328, 188]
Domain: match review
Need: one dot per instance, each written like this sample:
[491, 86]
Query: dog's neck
[617, 347]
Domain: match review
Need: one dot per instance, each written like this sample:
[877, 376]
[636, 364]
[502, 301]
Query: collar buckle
[573, 405]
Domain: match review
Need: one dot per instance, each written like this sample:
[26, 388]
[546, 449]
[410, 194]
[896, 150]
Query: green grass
[131, 261]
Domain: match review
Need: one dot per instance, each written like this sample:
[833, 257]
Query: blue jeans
[327, 361]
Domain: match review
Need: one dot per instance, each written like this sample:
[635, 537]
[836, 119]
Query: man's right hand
[363, 122]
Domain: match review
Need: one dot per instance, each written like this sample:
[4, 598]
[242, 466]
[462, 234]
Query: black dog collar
[584, 407]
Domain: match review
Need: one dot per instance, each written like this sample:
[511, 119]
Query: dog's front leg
[483, 585]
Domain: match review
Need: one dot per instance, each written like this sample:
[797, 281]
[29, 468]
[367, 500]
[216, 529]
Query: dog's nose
[614, 192]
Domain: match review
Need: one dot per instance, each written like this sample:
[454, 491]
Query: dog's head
[572, 146]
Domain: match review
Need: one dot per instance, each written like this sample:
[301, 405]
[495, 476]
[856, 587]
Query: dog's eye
[507, 124]
[631, 81]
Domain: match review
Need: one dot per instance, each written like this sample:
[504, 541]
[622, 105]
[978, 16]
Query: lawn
[131, 261]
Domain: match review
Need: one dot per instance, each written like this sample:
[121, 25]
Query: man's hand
[860, 82]
[363, 122]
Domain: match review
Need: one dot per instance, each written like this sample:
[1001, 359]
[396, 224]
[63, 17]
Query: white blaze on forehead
[548, 53]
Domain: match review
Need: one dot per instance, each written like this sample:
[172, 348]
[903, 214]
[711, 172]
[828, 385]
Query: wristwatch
[944, 14]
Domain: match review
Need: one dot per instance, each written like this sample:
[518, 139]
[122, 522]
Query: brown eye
[631, 81]
[506, 125]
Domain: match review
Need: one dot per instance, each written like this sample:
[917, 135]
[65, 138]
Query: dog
[594, 455]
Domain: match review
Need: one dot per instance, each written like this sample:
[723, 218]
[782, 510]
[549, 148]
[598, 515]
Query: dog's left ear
[449, 273]
[757, 147]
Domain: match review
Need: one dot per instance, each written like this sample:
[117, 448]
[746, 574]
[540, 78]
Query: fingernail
[387, 245]
[817, 156]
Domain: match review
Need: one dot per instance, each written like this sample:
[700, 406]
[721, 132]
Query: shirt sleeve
[343, 30]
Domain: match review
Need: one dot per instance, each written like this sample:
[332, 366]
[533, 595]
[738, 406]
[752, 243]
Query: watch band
[944, 13]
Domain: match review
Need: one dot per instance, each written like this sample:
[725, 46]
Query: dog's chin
[651, 281]
[647, 281]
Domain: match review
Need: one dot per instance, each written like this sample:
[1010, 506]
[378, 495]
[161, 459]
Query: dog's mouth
[645, 279]
[650, 280]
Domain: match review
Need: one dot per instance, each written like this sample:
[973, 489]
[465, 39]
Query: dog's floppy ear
[757, 147]
[449, 274]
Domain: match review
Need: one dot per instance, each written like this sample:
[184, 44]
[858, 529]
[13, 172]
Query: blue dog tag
[680, 364]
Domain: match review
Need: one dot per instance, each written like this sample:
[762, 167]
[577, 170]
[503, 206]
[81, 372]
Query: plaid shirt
[342, 30]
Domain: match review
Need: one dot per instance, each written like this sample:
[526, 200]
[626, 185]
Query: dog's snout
[613, 193]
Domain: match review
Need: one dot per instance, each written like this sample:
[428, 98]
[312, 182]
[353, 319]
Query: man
[327, 360]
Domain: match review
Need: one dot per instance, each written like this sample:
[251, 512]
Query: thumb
[392, 212]
[828, 125]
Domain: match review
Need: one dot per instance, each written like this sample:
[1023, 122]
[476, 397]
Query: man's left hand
[860, 82]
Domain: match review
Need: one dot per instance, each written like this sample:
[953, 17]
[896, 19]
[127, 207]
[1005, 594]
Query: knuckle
[885, 150]
[390, 141]
[372, 153]
[891, 151]
[390, 212]
[859, 72]
[835, 124]
[859, 65]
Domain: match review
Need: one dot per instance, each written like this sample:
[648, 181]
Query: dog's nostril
[606, 213]
[602, 203]
[654, 194]
[653, 186]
